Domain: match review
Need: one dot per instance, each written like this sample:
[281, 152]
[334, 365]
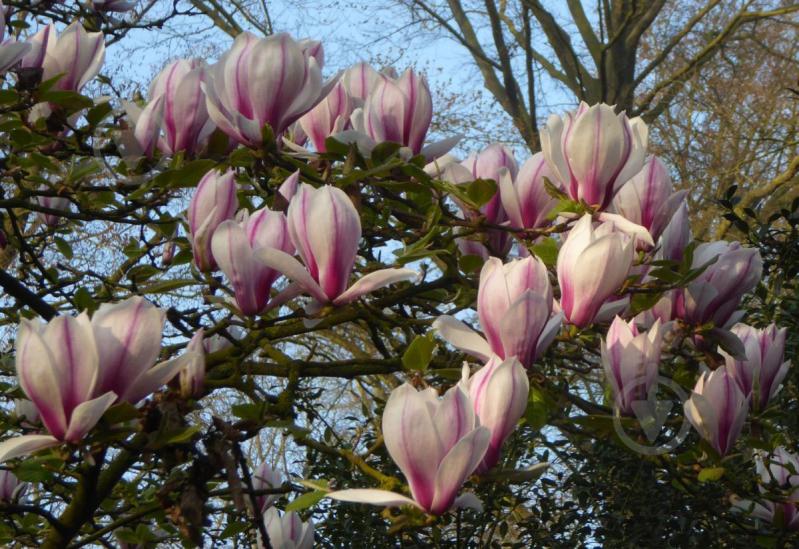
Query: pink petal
[24, 445]
[374, 281]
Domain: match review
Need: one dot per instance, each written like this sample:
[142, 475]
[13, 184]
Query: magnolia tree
[287, 233]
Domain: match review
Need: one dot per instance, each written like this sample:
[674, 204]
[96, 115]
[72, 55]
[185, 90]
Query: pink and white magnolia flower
[360, 80]
[514, 303]
[499, 392]
[326, 229]
[779, 469]
[631, 360]
[593, 151]
[176, 118]
[53, 203]
[191, 377]
[717, 409]
[715, 294]
[213, 202]
[489, 164]
[11, 489]
[263, 81]
[436, 443]
[287, 531]
[58, 367]
[592, 265]
[266, 478]
[329, 117]
[128, 340]
[647, 199]
[676, 236]
[315, 49]
[400, 111]
[525, 199]
[761, 374]
[234, 247]
[11, 51]
[76, 55]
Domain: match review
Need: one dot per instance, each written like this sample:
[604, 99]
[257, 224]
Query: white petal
[372, 497]
[292, 269]
[374, 281]
[24, 445]
[460, 336]
[86, 415]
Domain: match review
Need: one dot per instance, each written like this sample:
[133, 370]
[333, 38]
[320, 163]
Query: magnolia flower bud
[234, 246]
[499, 392]
[488, 164]
[631, 361]
[760, 375]
[436, 443]
[647, 199]
[525, 200]
[266, 478]
[593, 151]
[780, 469]
[263, 81]
[192, 375]
[53, 203]
[325, 228]
[400, 111]
[360, 80]
[213, 202]
[717, 409]
[329, 117]
[592, 265]
[184, 117]
[676, 235]
[10, 487]
[514, 303]
[11, 51]
[287, 531]
[76, 55]
[715, 294]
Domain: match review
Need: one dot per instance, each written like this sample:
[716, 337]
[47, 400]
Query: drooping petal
[24, 445]
[373, 281]
[372, 497]
[462, 337]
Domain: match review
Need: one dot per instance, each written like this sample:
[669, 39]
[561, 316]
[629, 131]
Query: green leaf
[140, 273]
[538, 406]
[185, 176]
[250, 411]
[419, 353]
[69, 100]
[306, 500]
[178, 436]
[234, 528]
[84, 300]
[37, 469]
[643, 302]
[8, 97]
[480, 191]
[97, 113]
[547, 251]
[384, 151]
[63, 247]
[164, 286]
[711, 474]
[119, 413]
[470, 263]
